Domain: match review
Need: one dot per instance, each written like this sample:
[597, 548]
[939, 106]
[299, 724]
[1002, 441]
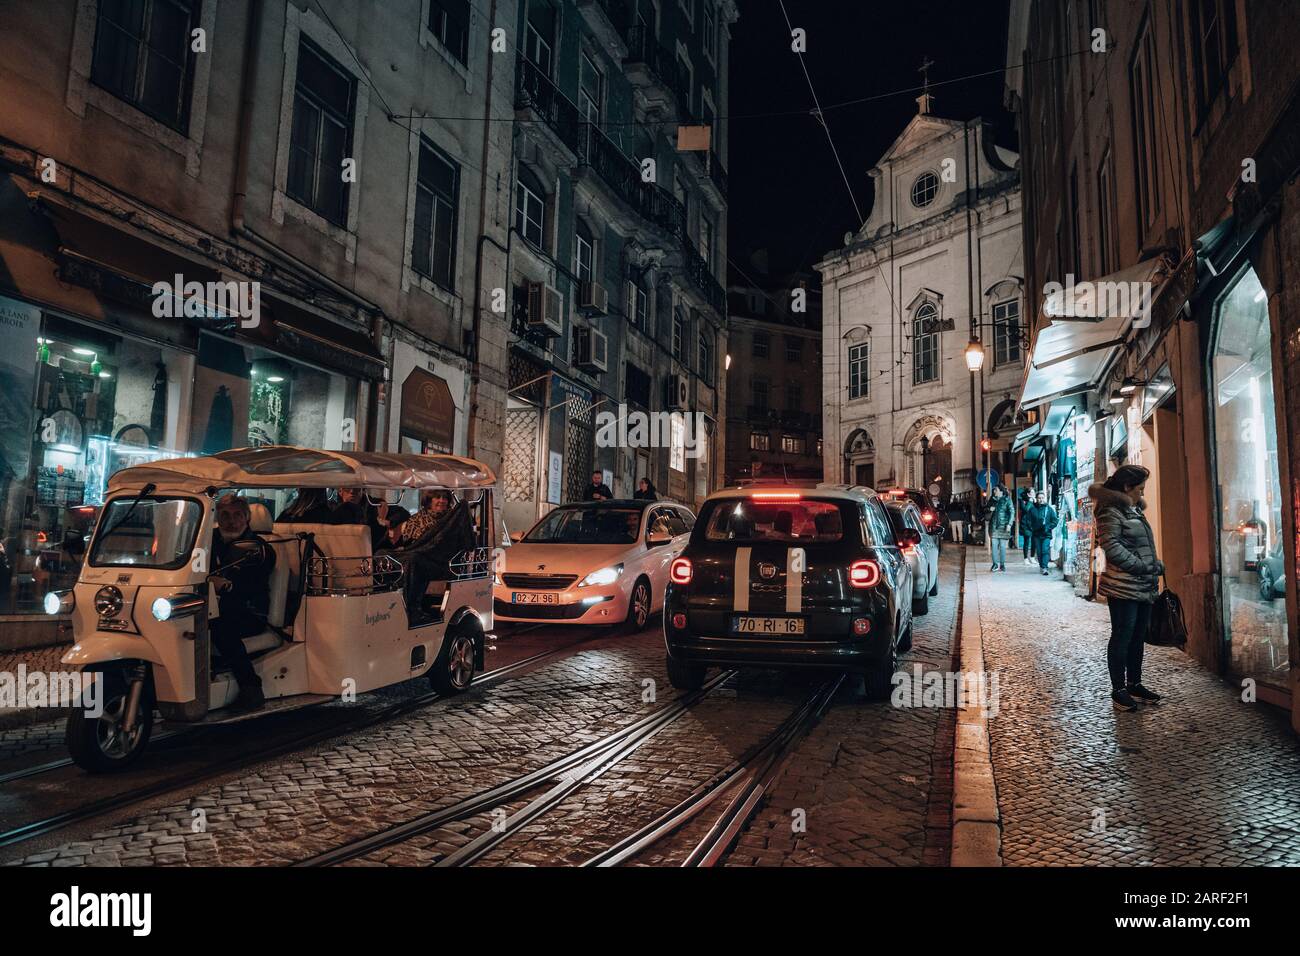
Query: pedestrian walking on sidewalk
[957, 516]
[1025, 500]
[1001, 519]
[1040, 517]
[1130, 580]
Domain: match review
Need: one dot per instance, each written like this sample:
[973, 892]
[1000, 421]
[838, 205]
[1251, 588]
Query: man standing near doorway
[1040, 521]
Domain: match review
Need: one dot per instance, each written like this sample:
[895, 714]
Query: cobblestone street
[871, 785]
[1202, 778]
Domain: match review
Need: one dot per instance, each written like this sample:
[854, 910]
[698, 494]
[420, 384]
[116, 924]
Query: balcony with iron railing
[654, 68]
[534, 90]
[713, 169]
[701, 276]
[623, 177]
[608, 19]
[620, 174]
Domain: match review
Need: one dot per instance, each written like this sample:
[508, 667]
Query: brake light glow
[776, 496]
[861, 625]
[681, 571]
[928, 516]
[864, 573]
[679, 621]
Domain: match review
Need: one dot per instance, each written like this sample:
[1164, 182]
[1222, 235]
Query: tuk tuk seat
[346, 547]
[278, 585]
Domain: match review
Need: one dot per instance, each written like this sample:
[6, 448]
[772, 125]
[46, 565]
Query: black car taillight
[864, 573]
[681, 571]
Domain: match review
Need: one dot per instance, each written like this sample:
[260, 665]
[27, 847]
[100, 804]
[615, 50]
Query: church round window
[925, 189]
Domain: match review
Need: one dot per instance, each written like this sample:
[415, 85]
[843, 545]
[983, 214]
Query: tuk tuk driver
[241, 577]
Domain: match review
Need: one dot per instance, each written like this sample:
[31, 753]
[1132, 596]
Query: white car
[922, 551]
[599, 562]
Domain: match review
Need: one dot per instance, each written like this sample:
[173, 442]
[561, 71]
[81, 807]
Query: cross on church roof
[924, 101]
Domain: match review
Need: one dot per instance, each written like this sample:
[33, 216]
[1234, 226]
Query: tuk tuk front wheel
[453, 670]
[97, 742]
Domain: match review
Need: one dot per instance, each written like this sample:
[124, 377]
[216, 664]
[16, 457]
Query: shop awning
[1070, 357]
[1120, 295]
[288, 466]
[1025, 437]
[323, 341]
[1090, 321]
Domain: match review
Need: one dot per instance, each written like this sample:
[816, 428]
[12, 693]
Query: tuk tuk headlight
[179, 605]
[603, 576]
[59, 602]
[108, 601]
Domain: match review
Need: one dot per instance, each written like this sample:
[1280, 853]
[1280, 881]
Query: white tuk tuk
[341, 619]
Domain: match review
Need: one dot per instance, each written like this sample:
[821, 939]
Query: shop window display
[1249, 490]
[101, 402]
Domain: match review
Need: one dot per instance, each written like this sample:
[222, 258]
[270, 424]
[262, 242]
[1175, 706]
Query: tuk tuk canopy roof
[287, 466]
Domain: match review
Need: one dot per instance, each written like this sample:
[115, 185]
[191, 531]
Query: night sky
[786, 192]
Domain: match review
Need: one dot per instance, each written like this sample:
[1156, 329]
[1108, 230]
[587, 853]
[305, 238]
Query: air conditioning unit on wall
[593, 299]
[545, 309]
[677, 394]
[592, 349]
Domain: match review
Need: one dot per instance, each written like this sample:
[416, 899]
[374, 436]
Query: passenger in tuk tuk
[435, 535]
[434, 508]
[309, 506]
[355, 508]
[391, 539]
[241, 577]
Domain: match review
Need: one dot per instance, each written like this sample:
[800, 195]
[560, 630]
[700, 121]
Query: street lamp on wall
[925, 462]
[974, 363]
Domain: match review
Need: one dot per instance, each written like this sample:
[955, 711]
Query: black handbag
[1168, 629]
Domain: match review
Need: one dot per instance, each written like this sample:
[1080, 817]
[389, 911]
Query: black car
[790, 577]
[935, 518]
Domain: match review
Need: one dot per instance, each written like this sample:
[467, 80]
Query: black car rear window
[745, 521]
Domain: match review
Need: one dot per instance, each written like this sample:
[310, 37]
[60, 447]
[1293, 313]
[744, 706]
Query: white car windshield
[587, 526]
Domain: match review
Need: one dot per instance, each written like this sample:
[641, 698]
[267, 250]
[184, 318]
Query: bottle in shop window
[1254, 539]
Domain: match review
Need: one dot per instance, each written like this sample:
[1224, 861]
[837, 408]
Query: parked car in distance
[782, 576]
[933, 517]
[919, 547]
[1272, 576]
[598, 562]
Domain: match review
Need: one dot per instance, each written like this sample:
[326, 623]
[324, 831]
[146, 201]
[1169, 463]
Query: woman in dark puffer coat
[1130, 581]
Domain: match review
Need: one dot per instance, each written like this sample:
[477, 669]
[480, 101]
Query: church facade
[936, 267]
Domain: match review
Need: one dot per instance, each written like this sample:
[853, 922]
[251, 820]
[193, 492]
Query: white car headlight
[603, 576]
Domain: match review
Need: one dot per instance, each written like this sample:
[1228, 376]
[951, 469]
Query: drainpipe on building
[970, 301]
[471, 432]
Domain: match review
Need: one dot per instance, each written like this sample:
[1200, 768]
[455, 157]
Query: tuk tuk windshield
[155, 533]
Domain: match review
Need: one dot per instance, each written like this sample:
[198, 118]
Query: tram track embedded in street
[115, 802]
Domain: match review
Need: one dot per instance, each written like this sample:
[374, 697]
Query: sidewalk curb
[976, 820]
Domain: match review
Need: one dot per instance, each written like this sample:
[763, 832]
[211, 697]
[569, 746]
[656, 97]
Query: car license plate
[767, 625]
[527, 597]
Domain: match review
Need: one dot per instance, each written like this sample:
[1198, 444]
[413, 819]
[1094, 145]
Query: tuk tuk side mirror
[246, 546]
[658, 537]
[516, 536]
[910, 537]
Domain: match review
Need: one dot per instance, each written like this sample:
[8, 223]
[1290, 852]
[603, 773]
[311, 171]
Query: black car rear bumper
[855, 654]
